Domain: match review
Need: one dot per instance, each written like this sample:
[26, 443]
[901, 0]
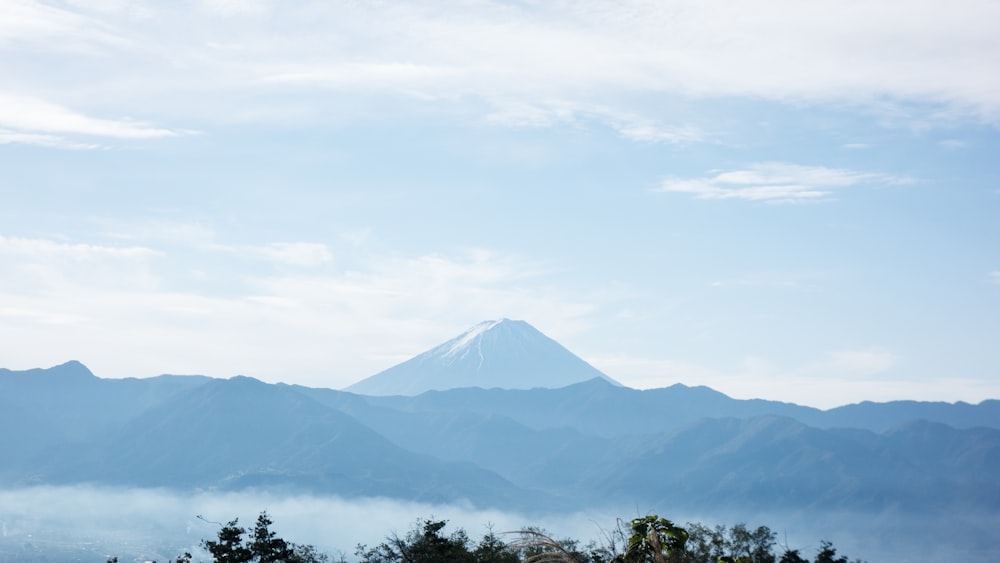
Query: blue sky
[778, 199]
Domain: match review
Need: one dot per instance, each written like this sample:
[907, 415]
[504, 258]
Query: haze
[775, 199]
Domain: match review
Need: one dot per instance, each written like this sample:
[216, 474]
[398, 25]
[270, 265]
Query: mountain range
[548, 448]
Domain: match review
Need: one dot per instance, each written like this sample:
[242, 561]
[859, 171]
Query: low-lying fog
[159, 524]
[85, 523]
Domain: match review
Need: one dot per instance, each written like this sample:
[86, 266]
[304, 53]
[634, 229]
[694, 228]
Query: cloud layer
[232, 61]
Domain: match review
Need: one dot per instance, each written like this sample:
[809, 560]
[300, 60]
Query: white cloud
[35, 316]
[995, 276]
[309, 57]
[21, 20]
[655, 133]
[363, 75]
[14, 137]
[43, 247]
[775, 182]
[953, 144]
[34, 271]
[235, 7]
[33, 121]
[323, 327]
[514, 113]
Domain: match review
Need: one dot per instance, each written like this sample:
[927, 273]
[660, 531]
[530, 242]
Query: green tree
[262, 546]
[423, 544]
[751, 546]
[229, 548]
[536, 546]
[654, 540]
[704, 545]
[491, 549]
[792, 556]
[265, 545]
[828, 554]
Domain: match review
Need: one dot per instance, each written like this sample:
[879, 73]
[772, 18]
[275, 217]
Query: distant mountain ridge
[589, 444]
[503, 353]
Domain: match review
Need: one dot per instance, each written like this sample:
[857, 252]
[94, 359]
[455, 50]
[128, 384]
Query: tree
[704, 545]
[792, 556]
[424, 543]
[229, 548]
[655, 540]
[492, 549]
[263, 546]
[649, 539]
[536, 546]
[828, 554]
[751, 546]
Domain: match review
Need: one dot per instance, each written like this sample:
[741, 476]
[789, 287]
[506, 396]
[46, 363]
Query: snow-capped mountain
[505, 353]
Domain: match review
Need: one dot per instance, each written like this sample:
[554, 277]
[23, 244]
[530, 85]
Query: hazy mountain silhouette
[240, 432]
[592, 443]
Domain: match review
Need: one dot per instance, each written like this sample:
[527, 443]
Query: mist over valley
[97, 461]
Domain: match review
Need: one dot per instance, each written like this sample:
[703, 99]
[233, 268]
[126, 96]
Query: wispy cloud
[75, 251]
[42, 140]
[953, 144]
[363, 75]
[34, 121]
[995, 277]
[235, 7]
[28, 20]
[776, 182]
[459, 54]
[628, 124]
[304, 254]
[311, 323]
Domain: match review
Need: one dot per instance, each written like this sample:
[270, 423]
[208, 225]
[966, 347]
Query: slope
[239, 433]
[505, 353]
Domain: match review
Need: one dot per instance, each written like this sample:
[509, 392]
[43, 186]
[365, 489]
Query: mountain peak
[69, 371]
[464, 342]
[504, 353]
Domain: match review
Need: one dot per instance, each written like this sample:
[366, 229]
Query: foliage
[792, 556]
[738, 544]
[229, 548]
[654, 540]
[492, 549]
[262, 546]
[828, 554]
[533, 545]
[423, 544]
[649, 539]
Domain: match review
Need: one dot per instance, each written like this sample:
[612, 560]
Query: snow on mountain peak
[501, 353]
[464, 342]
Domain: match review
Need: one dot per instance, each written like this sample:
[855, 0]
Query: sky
[790, 200]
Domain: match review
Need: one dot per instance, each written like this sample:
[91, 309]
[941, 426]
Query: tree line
[649, 539]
